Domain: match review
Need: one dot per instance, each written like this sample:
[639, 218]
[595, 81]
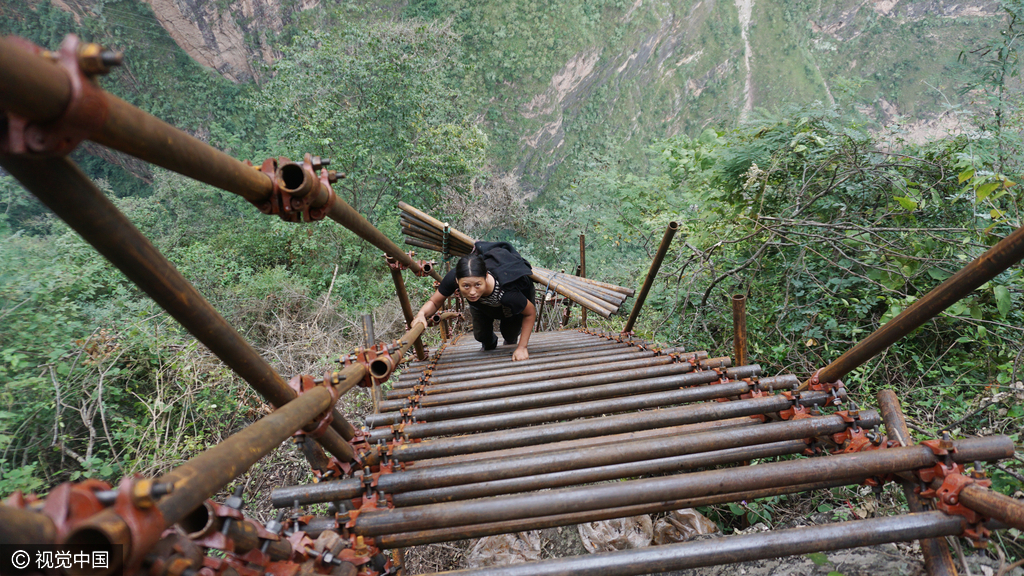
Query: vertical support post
[739, 329]
[937, 559]
[369, 340]
[666, 241]
[568, 308]
[583, 274]
[540, 310]
[403, 299]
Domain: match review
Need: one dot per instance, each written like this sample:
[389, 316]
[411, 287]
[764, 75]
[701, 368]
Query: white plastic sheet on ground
[505, 549]
[682, 525]
[617, 534]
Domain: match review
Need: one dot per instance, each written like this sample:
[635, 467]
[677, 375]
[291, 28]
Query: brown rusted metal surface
[739, 329]
[992, 504]
[59, 184]
[937, 559]
[490, 529]
[31, 86]
[579, 410]
[197, 480]
[652, 274]
[561, 374]
[574, 459]
[19, 526]
[578, 429]
[632, 388]
[583, 274]
[586, 442]
[668, 465]
[732, 480]
[743, 548]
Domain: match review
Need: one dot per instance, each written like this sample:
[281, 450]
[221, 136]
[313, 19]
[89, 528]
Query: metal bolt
[109, 58]
[235, 500]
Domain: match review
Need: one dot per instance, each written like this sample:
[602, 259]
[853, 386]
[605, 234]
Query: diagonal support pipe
[59, 184]
[666, 241]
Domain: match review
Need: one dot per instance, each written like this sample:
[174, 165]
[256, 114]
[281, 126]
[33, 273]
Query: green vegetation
[830, 224]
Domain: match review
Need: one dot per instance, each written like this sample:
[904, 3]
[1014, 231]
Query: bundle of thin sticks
[424, 231]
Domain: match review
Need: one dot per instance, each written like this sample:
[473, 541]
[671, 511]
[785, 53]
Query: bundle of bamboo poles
[424, 231]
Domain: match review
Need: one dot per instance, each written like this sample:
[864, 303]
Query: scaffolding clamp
[304, 383]
[366, 356]
[87, 109]
[947, 495]
[293, 201]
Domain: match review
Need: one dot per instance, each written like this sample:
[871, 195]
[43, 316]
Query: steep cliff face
[228, 37]
[711, 63]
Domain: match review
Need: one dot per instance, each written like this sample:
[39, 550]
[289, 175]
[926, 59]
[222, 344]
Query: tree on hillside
[381, 100]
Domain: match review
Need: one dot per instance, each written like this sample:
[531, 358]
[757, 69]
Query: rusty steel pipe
[550, 373]
[994, 505]
[1006, 253]
[652, 274]
[562, 412]
[591, 353]
[475, 363]
[403, 300]
[479, 358]
[409, 377]
[730, 480]
[39, 90]
[739, 329]
[430, 398]
[472, 351]
[587, 442]
[19, 526]
[201, 477]
[32, 87]
[245, 535]
[439, 317]
[599, 293]
[620, 289]
[579, 429]
[344, 214]
[937, 559]
[418, 229]
[435, 223]
[62, 186]
[598, 306]
[144, 136]
[742, 548]
[583, 274]
[671, 465]
[549, 364]
[480, 530]
[572, 459]
[631, 388]
[382, 366]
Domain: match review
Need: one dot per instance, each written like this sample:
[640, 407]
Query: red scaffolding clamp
[304, 383]
[366, 356]
[86, 111]
[295, 205]
[947, 495]
[797, 411]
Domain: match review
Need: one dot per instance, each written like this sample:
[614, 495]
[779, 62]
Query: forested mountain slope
[782, 136]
